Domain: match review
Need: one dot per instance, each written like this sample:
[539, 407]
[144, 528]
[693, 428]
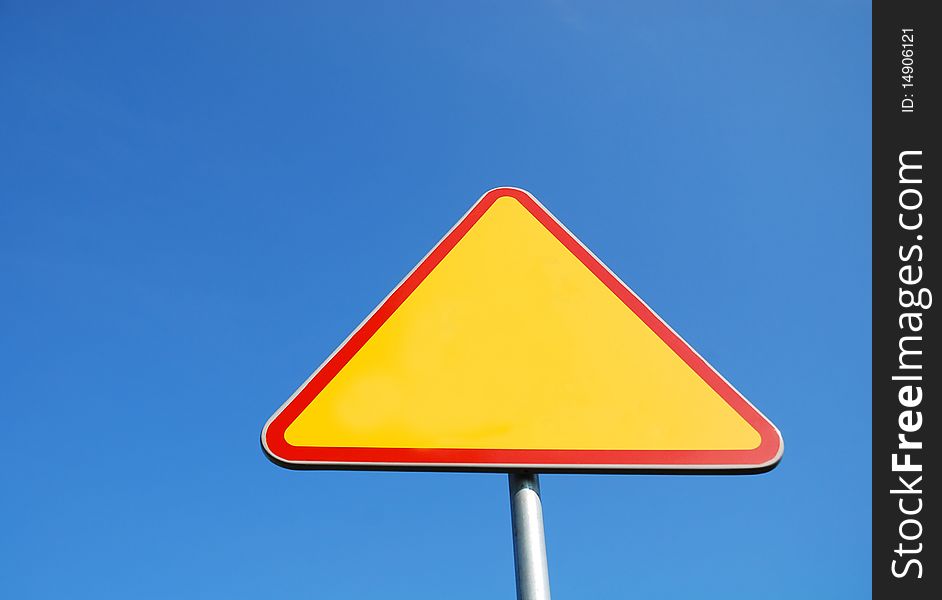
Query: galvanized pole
[526, 515]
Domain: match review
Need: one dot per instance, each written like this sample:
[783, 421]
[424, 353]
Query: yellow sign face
[512, 346]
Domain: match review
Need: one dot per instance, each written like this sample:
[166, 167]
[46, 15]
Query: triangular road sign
[511, 346]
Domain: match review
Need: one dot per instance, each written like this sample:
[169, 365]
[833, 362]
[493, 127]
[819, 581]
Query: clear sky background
[198, 202]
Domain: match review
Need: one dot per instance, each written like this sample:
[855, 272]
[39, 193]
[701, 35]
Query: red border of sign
[763, 457]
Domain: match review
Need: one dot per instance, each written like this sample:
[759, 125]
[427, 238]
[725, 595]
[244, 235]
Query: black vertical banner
[907, 374]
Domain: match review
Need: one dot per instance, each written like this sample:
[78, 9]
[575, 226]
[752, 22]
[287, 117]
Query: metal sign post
[509, 316]
[526, 515]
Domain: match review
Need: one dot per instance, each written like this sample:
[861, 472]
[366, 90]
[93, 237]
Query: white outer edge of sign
[530, 466]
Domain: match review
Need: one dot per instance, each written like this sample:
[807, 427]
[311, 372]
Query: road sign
[511, 346]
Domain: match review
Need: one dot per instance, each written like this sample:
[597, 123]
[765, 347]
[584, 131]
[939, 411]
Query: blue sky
[198, 203]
